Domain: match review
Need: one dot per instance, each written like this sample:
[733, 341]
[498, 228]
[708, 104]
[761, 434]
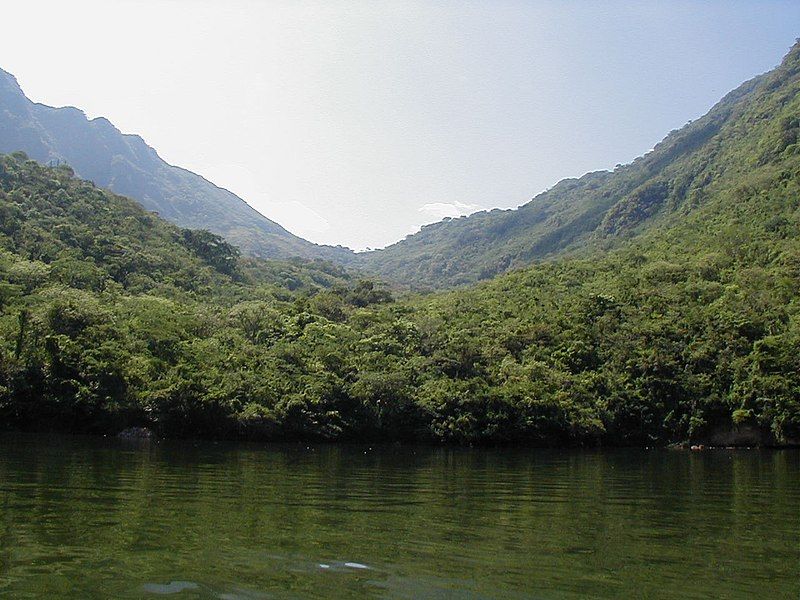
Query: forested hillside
[746, 130]
[110, 317]
[681, 324]
[99, 152]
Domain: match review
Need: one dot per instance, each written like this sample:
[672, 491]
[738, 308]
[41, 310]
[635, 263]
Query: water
[100, 518]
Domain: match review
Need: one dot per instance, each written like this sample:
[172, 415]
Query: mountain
[675, 318]
[599, 209]
[72, 233]
[125, 164]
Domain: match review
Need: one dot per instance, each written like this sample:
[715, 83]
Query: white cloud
[439, 210]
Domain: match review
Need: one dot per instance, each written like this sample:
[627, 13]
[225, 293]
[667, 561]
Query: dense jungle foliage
[110, 317]
[684, 327]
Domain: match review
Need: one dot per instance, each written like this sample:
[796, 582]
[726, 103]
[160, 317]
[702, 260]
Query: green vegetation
[678, 322]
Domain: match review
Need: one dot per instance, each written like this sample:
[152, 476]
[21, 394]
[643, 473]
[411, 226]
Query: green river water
[92, 518]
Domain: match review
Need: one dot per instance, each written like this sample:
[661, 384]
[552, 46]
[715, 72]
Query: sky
[354, 123]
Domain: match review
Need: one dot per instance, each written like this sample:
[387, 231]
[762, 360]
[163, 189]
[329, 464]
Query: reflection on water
[99, 518]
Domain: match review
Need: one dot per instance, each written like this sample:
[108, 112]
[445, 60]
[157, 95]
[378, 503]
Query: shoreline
[152, 438]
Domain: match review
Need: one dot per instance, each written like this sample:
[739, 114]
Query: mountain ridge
[574, 215]
[97, 150]
[681, 326]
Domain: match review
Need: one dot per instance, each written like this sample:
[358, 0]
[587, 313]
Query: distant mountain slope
[124, 163]
[600, 209]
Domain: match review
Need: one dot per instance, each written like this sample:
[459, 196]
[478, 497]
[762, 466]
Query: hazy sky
[355, 122]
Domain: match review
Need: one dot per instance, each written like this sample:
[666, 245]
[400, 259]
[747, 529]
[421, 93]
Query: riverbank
[722, 439]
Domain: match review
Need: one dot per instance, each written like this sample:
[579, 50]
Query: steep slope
[686, 327]
[598, 209]
[127, 165]
[110, 317]
[64, 231]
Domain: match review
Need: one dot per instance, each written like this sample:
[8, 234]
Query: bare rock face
[136, 433]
